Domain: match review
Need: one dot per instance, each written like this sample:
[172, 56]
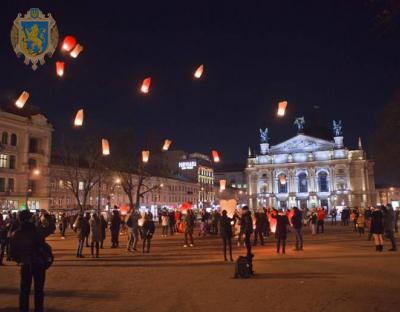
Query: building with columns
[307, 171]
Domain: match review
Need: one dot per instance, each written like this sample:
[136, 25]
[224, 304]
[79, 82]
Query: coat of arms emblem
[34, 36]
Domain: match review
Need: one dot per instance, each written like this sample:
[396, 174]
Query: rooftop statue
[337, 128]
[299, 123]
[264, 135]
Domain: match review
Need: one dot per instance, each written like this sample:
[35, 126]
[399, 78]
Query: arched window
[323, 181]
[282, 184]
[13, 139]
[303, 184]
[4, 138]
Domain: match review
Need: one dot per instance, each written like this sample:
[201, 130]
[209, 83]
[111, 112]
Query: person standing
[260, 227]
[81, 227]
[282, 223]
[171, 222]
[388, 225]
[148, 231]
[313, 222]
[333, 216]
[246, 227]
[377, 228]
[114, 228]
[3, 238]
[360, 223]
[320, 220]
[133, 229]
[95, 234]
[297, 223]
[87, 217]
[190, 221]
[103, 227]
[225, 227]
[396, 219]
[25, 245]
[164, 223]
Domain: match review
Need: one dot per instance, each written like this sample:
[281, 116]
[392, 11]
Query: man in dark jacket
[115, 227]
[388, 225]
[82, 229]
[25, 243]
[297, 223]
[246, 227]
[261, 225]
[225, 227]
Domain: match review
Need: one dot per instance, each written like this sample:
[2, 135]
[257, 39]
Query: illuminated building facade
[307, 171]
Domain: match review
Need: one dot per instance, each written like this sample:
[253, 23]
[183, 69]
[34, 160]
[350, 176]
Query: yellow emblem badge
[34, 36]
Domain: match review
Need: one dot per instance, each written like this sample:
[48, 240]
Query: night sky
[255, 53]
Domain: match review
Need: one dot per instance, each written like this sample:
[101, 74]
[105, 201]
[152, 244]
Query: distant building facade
[25, 153]
[307, 171]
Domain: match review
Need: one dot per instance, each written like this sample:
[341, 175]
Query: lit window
[81, 185]
[3, 161]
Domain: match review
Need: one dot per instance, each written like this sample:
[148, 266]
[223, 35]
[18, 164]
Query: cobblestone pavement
[338, 271]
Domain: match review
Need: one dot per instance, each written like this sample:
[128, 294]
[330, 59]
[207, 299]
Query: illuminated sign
[187, 165]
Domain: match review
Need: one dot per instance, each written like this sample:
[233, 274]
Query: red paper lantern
[60, 68]
[215, 156]
[146, 85]
[123, 209]
[68, 43]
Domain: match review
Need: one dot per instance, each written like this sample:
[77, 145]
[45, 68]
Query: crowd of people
[22, 236]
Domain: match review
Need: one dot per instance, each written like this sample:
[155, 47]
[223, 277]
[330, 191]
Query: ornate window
[282, 183]
[303, 184]
[4, 138]
[13, 139]
[323, 182]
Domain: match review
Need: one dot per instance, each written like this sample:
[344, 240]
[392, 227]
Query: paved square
[338, 271]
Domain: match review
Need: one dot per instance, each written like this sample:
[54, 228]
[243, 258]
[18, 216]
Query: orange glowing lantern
[215, 156]
[145, 156]
[20, 103]
[76, 51]
[222, 185]
[282, 108]
[146, 85]
[167, 144]
[78, 122]
[60, 68]
[272, 221]
[185, 207]
[123, 209]
[68, 43]
[106, 147]
[199, 72]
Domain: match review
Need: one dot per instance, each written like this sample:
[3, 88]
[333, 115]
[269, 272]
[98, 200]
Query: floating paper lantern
[282, 179]
[75, 52]
[60, 68]
[145, 156]
[167, 144]
[146, 85]
[272, 221]
[79, 118]
[282, 108]
[20, 103]
[185, 207]
[229, 206]
[215, 156]
[106, 147]
[222, 185]
[123, 209]
[199, 72]
[68, 43]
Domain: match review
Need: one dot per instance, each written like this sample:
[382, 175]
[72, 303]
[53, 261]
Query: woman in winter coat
[103, 227]
[95, 234]
[164, 223]
[114, 228]
[226, 233]
[377, 228]
[282, 223]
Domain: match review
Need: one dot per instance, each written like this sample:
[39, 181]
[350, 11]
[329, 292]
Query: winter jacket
[81, 227]
[388, 219]
[95, 230]
[164, 220]
[225, 227]
[361, 221]
[148, 228]
[190, 220]
[246, 223]
[377, 222]
[282, 223]
[115, 223]
[297, 219]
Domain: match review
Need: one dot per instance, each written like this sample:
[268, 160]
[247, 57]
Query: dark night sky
[255, 53]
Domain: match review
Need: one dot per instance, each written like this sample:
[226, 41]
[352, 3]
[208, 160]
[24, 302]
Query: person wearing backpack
[26, 246]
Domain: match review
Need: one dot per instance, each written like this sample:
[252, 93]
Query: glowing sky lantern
[75, 52]
[199, 71]
[60, 68]
[215, 156]
[272, 221]
[68, 43]
[228, 205]
[20, 103]
[123, 209]
[282, 108]
[146, 85]
[167, 144]
[106, 147]
[145, 156]
[222, 185]
[185, 207]
[78, 122]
